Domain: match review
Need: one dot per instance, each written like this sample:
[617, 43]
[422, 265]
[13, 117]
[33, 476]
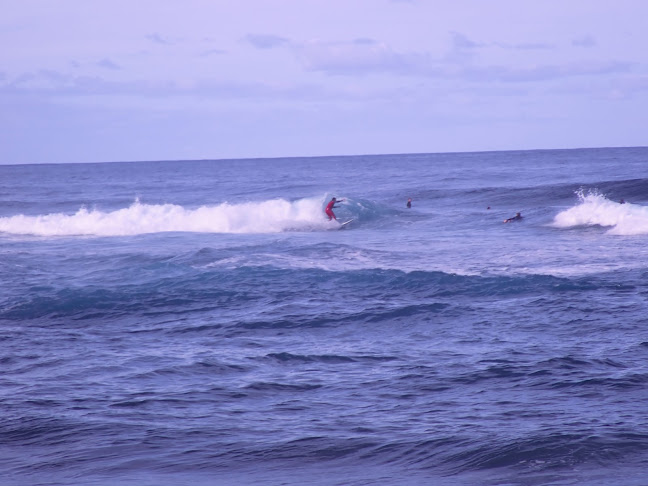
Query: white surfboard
[345, 224]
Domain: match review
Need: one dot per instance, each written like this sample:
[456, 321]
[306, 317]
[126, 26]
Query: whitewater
[253, 217]
[275, 216]
[204, 323]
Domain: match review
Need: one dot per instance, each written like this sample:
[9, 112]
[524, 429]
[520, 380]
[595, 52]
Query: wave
[290, 358]
[550, 451]
[241, 297]
[595, 209]
[270, 216]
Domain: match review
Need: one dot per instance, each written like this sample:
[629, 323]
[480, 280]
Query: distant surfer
[409, 202]
[517, 217]
[329, 208]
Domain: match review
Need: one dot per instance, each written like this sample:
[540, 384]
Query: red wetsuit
[329, 209]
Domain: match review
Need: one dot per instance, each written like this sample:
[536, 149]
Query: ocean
[203, 323]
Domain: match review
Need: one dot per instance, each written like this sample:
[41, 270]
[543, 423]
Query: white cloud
[213, 52]
[108, 64]
[461, 41]
[584, 41]
[346, 57]
[526, 46]
[266, 41]
[368, 56]
[546, 72]
[159, 39]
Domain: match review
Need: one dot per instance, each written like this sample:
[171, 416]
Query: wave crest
[594, 209]
[271, 216]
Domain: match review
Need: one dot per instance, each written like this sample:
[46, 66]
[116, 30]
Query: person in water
[409, 202]
[329, 208]
[517, 217]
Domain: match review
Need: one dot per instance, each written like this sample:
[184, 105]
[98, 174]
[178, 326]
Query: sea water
[203, 323]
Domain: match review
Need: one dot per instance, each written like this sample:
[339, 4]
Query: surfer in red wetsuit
[329, 208]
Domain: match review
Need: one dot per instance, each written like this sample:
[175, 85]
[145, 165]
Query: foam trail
[270, 216]
[596, 210]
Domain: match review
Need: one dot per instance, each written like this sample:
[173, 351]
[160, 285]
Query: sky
[124, 80]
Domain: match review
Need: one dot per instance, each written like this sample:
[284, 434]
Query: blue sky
[122, 80]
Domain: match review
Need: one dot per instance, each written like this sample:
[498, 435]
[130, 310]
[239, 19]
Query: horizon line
[230, 159]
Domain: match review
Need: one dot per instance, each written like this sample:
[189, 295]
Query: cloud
[365, 40]
[361, 56]
[618, 87]
[53, 84]
[538, 73]
[364, 56]
[584, 41]
[526, 46]
[213, 52]
[465, 51]
[422, 65]
[108, 64]
[266, 41]
[460, 41]
[158, 39]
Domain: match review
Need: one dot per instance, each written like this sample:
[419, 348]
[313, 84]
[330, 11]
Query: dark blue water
[202, 323]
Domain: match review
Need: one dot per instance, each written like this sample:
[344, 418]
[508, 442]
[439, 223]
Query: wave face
[215, 331]
[219, 284]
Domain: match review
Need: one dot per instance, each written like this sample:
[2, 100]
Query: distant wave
[271, 216]
[594, 209]
[194, 291]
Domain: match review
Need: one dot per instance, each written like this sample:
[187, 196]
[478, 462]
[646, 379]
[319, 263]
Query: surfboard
[345, 224]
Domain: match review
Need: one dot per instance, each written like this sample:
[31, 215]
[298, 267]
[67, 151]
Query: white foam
[270, 216]
[594, 209]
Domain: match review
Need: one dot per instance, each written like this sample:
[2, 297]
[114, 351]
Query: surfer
[409, 202]
[329, 208]
[517, 217]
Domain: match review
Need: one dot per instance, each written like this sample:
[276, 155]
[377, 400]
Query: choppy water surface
[202, 322]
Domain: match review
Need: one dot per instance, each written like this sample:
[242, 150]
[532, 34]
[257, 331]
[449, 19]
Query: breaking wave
[594, 209]
[270, 216]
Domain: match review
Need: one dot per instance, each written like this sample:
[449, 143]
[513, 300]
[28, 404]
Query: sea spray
[595, 209]
[269, 216]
